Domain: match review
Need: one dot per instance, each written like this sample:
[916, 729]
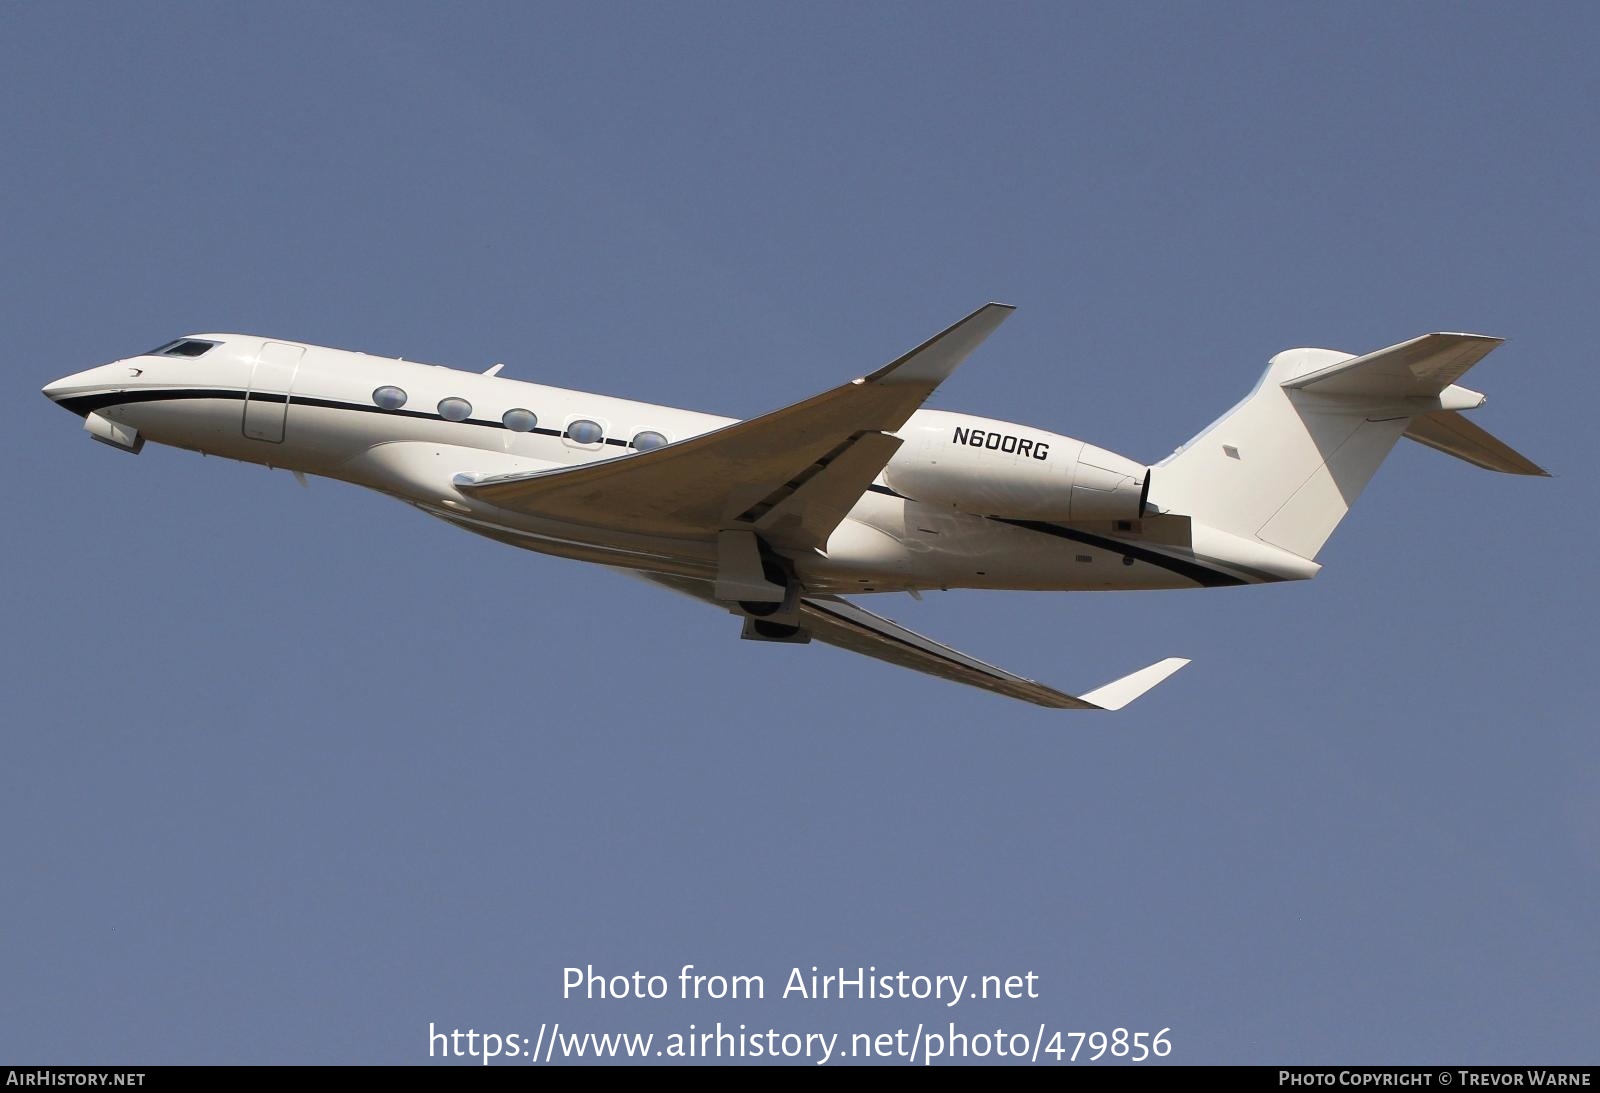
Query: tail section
[1285, 465]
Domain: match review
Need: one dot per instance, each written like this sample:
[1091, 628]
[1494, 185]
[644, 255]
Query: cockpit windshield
[184, 347]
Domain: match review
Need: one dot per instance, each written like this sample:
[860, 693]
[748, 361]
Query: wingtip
[1119, 693]
[1467, 334]
[934, 360]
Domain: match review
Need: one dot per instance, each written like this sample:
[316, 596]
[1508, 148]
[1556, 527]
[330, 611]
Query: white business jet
[778, 518]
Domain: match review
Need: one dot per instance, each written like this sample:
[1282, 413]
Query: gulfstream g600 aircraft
[857, 490]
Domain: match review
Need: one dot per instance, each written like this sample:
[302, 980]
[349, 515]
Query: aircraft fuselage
[966, 502]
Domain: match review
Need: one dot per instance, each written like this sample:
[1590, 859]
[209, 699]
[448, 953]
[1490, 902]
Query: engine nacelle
[996, 468]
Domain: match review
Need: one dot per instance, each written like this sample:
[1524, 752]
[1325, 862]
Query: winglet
[932, 362]
[1117, 694]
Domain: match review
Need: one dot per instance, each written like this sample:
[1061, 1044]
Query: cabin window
[185, 347]
[648, 439]
[390, 398]
[520, 420]
[455, 409]
[584, 431]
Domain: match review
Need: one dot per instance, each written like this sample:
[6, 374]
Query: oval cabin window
[584, 431]
[390, 398]
[520, 420]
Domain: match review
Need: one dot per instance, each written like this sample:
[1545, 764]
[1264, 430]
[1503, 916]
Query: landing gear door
[266, 404]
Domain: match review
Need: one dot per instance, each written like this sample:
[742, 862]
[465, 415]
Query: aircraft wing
[841, 623]
[790, 475]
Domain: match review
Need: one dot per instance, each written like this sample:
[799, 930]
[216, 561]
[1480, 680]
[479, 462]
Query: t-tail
[1281, 469]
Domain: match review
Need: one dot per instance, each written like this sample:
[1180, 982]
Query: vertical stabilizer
[1285, 465]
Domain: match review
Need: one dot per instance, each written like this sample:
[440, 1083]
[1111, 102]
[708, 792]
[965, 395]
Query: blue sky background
[289, 774]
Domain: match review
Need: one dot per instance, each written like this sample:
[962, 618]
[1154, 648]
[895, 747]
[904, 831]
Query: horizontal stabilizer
[1451, 433]
[1418, 368]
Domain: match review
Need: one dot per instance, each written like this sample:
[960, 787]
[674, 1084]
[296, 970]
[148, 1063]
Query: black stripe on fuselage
[1194, 571]
[1202, 575]
[83, 405]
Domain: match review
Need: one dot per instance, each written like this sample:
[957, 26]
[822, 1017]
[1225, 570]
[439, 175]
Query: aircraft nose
[64, 390]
